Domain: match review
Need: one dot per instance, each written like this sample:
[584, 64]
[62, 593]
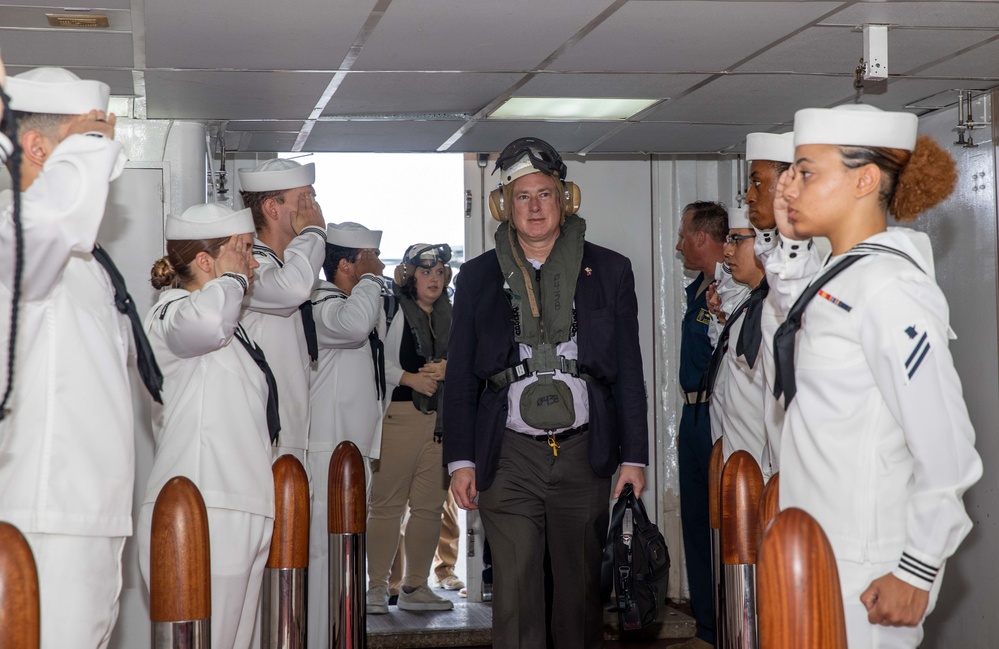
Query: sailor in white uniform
[219, 415]
[347, 385]
[66, 436]
[736, 389]
[290, 247]
[789, 265]
[877, 444]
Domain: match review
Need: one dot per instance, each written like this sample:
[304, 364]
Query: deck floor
[470, 625]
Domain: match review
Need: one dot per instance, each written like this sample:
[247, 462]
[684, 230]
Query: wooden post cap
[19, 621]
[798, 593]
[180, 581]
[742, 486]
[290, 542]
[715, 466]
[769, 503]
[347, 493]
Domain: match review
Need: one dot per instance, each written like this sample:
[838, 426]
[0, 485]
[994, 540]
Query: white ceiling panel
[473, 34]
[417, 92]
[679, 138]
[287, 125]
[63, 48]
[920, 14]
[266, 142]
[608, 85]
[232, 95]
[235, 34]
[401, 137]
[685, 35]
[924, 95]
[77, 4]
[838, 50]
[491, 136]
[119, 80]
[980, 62]
[756, 98]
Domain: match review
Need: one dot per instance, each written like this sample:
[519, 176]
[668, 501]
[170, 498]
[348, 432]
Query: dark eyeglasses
[734, 239]
[430, 256]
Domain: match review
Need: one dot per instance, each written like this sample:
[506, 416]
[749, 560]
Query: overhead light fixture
[121, 106]
[876, 51]
[570, 108]
[78, 20]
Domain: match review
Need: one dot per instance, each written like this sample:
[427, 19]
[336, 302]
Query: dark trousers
[538, 498]
[694, 451]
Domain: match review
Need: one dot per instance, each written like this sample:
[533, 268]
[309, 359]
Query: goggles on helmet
[428, 256]
[543, 157]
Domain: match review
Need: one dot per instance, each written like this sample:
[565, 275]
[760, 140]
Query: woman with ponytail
[219, 416]
[877, 444]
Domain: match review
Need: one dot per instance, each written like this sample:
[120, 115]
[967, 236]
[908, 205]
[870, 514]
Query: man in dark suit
[544, 401]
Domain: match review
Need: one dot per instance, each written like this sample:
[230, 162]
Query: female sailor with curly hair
[877, 444]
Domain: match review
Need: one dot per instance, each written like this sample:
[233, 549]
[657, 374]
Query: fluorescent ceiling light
[574, 108]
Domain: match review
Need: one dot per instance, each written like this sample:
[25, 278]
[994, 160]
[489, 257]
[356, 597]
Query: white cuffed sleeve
[342, 321]
[202, 322]
[905, 340]
[279, 289]
[61, 212]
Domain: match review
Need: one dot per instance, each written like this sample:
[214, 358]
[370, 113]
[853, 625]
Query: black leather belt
[566, 434]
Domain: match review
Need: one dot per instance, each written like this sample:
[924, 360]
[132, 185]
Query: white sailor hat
[770, 146]
[56, 91]
[855, 125]
[353, 235]
[738, 217]
[208, 221]
[277, 174]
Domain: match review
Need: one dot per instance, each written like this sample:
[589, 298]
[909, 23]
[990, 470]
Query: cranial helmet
[423, 255]
[529, 155]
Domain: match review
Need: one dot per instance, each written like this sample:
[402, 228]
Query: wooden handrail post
[716, 464]
[346, 523]
[180, 580]
[19, 614]
[742, 485]
[283, 625]
[801, 604]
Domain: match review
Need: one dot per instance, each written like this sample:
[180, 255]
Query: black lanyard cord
[9, 128]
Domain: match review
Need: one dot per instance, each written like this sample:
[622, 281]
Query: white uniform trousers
[79, 581]
[240, 543]
[319, 546]
[854, 579]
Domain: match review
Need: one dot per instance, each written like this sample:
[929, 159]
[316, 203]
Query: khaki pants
[409, 472]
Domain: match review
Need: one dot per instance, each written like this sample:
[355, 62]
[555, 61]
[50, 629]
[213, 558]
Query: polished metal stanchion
[346, 522]
[716, 464]
[283, 623]
[19, 621]
[798, 585]
[742, 486]
[180, 582]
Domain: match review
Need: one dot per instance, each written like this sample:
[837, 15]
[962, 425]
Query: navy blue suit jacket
[482, 344]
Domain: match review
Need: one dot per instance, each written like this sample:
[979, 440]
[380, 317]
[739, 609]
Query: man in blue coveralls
[703, 228]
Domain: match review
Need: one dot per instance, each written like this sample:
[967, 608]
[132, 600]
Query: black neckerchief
[751, 335]
[146, 360]
[257, 354]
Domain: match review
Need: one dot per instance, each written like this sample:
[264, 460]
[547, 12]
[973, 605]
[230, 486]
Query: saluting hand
[368, 262]
[232, 258]
[780, 204]
[308, 213]
[714, 302]
[893, 602]
[96, 121]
